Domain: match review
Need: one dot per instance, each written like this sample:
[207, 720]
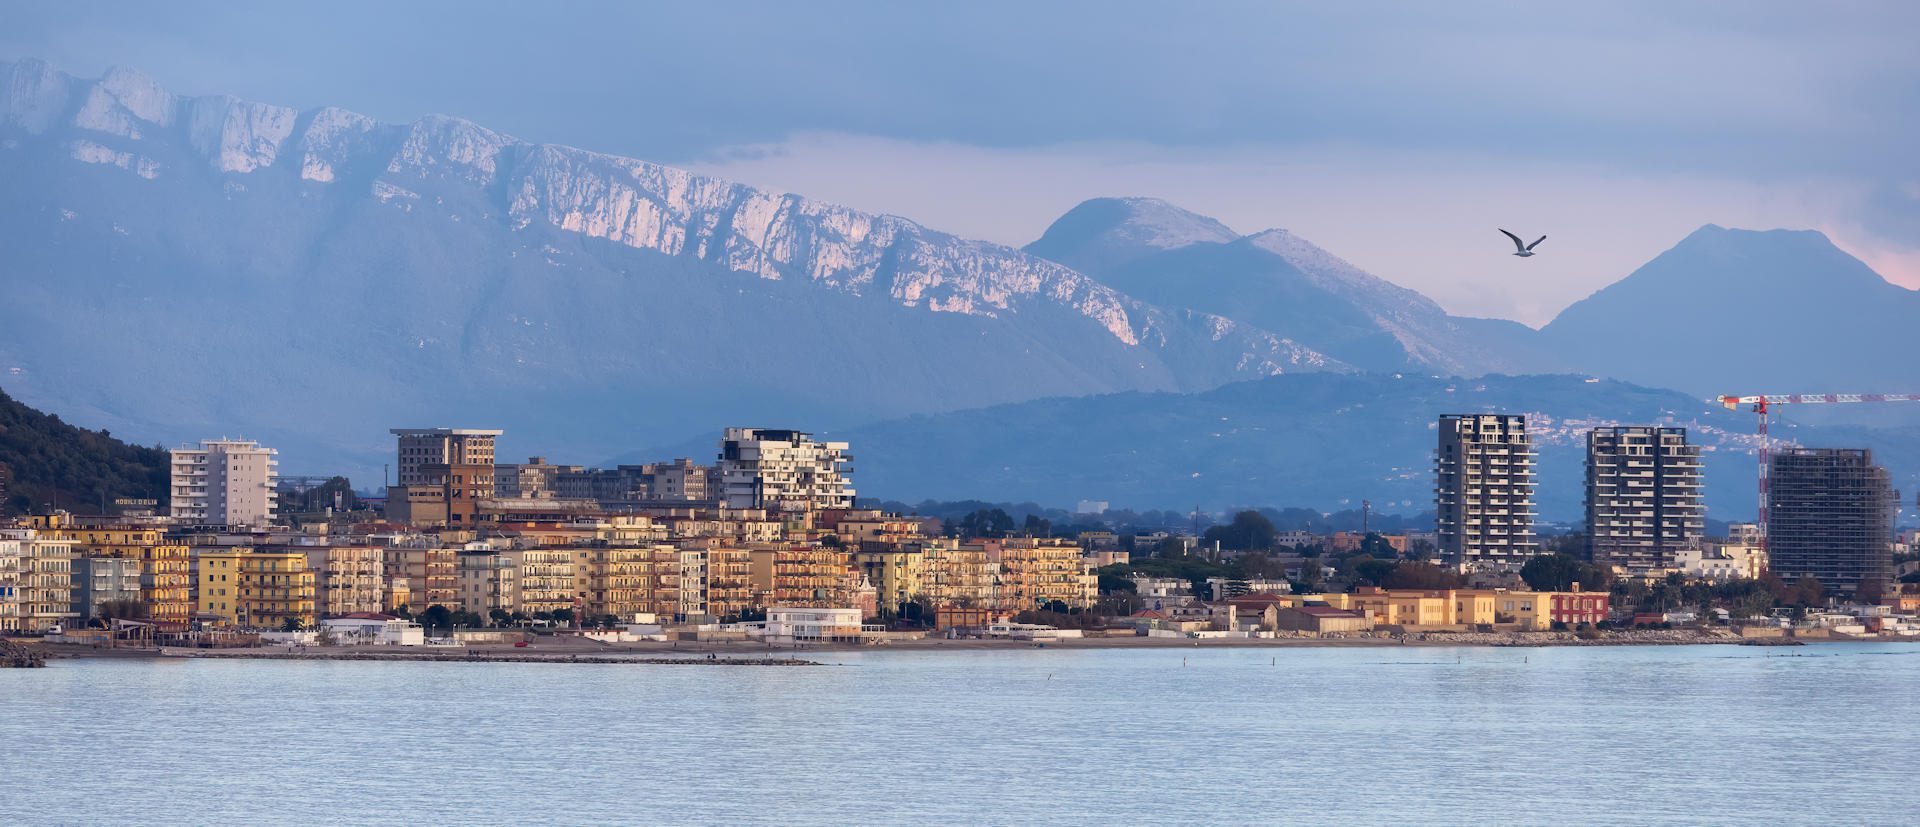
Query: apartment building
[165, 576]
[783, 470]
[730, 591]
[348, 579]
[11, 578]
[1830, 514]
[489, 581]
[421, 448]
[427, 571]
[45, 591]
[444, 474]
[898, 573]
[1643, 498]
[1483, 491]
[535, 479]
[1036, 572]
[98, 581]
[257, 589]
[546, 580]
[958, 574]
[223, 483]
[807, 575]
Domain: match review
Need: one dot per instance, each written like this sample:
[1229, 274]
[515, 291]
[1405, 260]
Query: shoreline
[736, 653]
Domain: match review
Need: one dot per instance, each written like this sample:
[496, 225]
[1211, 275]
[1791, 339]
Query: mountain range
[186, 267]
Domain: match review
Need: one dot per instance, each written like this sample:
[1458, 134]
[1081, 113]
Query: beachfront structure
[1643, 498]
[789, 624]
[1483, 491]
[224, 482]
[783, 470]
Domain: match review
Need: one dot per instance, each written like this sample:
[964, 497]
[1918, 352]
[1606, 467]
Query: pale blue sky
[1396, 134]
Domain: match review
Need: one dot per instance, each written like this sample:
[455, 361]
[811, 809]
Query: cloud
[1424, 219]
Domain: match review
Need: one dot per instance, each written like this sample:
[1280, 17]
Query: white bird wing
[1517, 243]
[1536, 242]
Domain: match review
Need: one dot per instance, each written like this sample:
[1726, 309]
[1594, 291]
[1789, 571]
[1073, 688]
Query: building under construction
[1831, 513]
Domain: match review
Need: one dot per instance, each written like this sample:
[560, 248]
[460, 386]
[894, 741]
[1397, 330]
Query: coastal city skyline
[836, 413]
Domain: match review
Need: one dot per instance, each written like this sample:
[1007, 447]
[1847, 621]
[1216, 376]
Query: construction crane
[1763, 403]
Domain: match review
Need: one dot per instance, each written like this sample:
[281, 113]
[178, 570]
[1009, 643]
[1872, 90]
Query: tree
[1560, 571]
[1870, 591]
[1376, 545]
[112, 610]
[1037, 527]
[1248, 530]
[1421, 550]
[437, 617]
[1416, 575]
[1114, 583]
[563, 615]
[1811, 593]
[986, 523]
[499, 617]
[1310, 576]
[1371, 571]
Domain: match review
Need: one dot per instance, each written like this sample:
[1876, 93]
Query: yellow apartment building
[898, 573]
[958, 574]
[729, 581]
[1038, 571]
[812, 576]
[257, 589]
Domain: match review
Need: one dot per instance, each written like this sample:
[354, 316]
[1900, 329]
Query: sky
[1397, 135]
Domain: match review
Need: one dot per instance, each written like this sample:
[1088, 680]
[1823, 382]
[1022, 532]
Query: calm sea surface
[1630, 735]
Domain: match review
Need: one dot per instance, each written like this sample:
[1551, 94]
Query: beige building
[10, 578]
[730, 590]
[489, 581]
[225, 483]
[958, 574]
[546, 580]
[1035, 572]
[427, 575]
[348, 579]
[40, 569]
[1721, 562]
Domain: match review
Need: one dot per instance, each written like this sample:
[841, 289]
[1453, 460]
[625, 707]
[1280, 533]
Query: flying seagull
[1521, 249]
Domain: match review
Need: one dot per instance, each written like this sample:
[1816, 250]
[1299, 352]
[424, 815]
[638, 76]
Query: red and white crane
[1762, 403]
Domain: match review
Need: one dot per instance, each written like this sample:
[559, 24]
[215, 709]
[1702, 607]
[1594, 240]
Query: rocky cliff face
[533, 266]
